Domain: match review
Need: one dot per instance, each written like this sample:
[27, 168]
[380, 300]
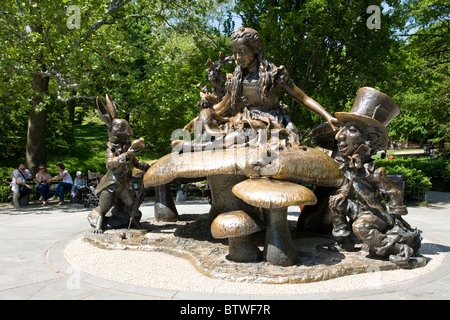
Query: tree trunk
[71, 106]
[37, 122]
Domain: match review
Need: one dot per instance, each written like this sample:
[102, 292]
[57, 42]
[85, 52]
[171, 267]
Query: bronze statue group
[249, 101]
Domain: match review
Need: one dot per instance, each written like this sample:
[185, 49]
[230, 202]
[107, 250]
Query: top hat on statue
[373, 111]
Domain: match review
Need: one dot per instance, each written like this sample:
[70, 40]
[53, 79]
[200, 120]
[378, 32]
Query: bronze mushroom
[237, 226]
[225, 168]
[274, 197]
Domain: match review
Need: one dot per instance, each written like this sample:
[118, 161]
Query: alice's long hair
[265, 70]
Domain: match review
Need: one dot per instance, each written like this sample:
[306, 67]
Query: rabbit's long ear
[104, 112]
[112, 108]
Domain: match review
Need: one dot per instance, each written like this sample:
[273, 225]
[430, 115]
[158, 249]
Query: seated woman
[65, 184]
[251, 101]
[42, 184]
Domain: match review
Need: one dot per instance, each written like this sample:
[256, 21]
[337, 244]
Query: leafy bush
[413, 176]
[5, 190]
[445, 153]
[435, 173]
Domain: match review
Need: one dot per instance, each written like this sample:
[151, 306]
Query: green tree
[426, 82]
[158, 58]
[46, 64]
[328, 48]
[39, 46]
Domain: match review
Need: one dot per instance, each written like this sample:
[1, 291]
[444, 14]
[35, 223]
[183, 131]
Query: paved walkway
[32, 263]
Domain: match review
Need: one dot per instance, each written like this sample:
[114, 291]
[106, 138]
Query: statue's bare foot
[98, 228]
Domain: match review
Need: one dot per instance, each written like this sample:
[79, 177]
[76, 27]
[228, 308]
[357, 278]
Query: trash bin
[137, 184]
[399, 180]
[181, 194]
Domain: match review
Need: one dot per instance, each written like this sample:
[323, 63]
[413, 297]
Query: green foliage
[171, 102]
[5, 190]
[13, 124]
[148, 56]
[327, 48]
[435, 173]
[331, 53]
[413, 176]
[445, 154]
[425, 79]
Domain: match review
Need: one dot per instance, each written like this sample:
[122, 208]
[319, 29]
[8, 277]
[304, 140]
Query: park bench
[25, 200]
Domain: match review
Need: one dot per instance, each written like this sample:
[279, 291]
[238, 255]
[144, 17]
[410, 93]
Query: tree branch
[421, 34]
[114, 6]
[59, 98]
[63, 83]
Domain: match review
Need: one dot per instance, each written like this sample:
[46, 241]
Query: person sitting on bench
[65, 184]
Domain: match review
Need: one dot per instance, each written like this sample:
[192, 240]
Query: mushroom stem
[165, 209]
[279, 248]
[243, 249]
[316, 218]
[223, 199]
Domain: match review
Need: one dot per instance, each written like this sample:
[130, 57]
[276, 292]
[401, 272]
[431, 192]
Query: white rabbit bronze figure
[115, 189]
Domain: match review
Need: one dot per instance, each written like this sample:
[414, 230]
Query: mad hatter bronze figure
[358, 206]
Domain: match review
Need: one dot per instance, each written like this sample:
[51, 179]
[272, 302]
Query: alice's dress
[261, 118]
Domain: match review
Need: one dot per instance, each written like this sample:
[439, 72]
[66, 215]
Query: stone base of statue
[319, 257]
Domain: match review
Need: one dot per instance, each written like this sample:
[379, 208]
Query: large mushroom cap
[302, 165]
[271, 194]
[233, 224]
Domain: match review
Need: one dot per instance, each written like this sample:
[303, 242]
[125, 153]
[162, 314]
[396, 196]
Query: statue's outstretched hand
[337, 201]
[333, 122]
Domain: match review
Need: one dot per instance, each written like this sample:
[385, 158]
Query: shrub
[5, 190]
[436, 172]
[412, 175]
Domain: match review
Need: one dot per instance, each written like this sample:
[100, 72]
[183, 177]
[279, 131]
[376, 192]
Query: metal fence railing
[418, 193]
[412, 192]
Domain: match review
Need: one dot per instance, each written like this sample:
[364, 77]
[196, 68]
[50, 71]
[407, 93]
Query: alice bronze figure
[251, 100]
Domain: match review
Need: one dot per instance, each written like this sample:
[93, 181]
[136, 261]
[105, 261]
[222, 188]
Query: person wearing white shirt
[22, 172]
[65, 184]
[19, 186]
[15, 185]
